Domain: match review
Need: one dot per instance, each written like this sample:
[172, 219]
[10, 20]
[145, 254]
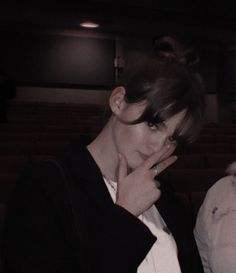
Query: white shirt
[162, 257]
[215, 230]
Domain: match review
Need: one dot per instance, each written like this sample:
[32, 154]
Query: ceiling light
[89, 24]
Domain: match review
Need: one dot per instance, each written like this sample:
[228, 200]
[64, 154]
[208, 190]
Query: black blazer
[62, 219]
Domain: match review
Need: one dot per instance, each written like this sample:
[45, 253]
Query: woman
[215, 230]
[94, 210]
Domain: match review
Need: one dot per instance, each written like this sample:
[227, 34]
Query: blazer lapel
[86, 175]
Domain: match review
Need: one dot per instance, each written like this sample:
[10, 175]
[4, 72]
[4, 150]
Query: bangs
[166, 91]
[159, 109]
[188, 130]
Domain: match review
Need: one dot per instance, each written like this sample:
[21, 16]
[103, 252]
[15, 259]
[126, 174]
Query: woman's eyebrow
[163, 124]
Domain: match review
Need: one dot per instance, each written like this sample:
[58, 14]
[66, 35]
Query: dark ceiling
[121, 17]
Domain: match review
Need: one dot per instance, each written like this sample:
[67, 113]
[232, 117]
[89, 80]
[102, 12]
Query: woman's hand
[137, 191]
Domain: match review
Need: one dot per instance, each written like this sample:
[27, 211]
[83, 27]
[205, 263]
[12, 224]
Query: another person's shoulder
[221, 185]
[219, 191]
[224, 187]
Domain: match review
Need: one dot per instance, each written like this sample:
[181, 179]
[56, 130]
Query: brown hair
[168, 82]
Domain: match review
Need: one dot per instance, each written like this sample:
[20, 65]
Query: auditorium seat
[58, 136]
[209, 148]
[219, 160]
[228, 138]
[206, 138]
[20, 111]
[17, 147]
[20, 128]
[189, 161]
[17, 136]
[187, 180]
[50, 147]
[10, 164]
[229, 130]
[64, 128]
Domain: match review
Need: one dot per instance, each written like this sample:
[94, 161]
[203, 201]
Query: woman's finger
[168, 152]
[160, 167]
[122, 168]
[156, 157]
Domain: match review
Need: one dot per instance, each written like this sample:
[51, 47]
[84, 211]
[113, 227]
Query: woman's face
[138, 141]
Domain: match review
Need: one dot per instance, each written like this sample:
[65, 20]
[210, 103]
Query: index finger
[166, 163]
[155, 158]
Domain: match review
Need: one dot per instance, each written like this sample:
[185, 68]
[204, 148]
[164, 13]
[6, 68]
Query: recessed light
[89, 24]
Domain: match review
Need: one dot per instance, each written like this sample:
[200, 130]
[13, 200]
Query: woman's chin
[135, 164]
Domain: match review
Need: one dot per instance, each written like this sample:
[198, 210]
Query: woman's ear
[117, 100]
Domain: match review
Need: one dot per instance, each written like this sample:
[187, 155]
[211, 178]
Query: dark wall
[45, 59]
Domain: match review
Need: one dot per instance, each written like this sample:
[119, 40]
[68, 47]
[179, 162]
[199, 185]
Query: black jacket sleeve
[178, 217]
[41, 236]
[34, 236]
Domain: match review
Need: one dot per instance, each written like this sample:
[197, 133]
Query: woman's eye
[172, 140]
[152, 126]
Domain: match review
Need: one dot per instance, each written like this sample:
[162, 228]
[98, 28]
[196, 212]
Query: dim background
[53, 59]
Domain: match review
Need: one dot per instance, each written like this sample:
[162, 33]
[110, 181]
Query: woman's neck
[104, 153]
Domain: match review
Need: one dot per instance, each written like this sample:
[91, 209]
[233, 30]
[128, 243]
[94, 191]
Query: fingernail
[119, 155]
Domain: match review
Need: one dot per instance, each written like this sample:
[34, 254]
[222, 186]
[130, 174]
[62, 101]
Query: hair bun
[167, 48]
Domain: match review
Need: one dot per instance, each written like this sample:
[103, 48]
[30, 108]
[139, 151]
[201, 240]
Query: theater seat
[16, 148]
[209, 148]
[188, 180]
[189, 161]
[50, 147]
[219, 160]
[10, 164]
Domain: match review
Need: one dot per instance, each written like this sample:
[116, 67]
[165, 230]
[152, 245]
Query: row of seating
[203, 160]
[207, 134]
[10, 162]
[53, 145]
[220, 147]
[182, 180]
[52, 113]
[219, 130]
[94, 126]
[48, 147]
[35, 107]
[40, 131]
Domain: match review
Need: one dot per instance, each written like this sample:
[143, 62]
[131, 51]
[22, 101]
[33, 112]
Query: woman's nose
[158, 142]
